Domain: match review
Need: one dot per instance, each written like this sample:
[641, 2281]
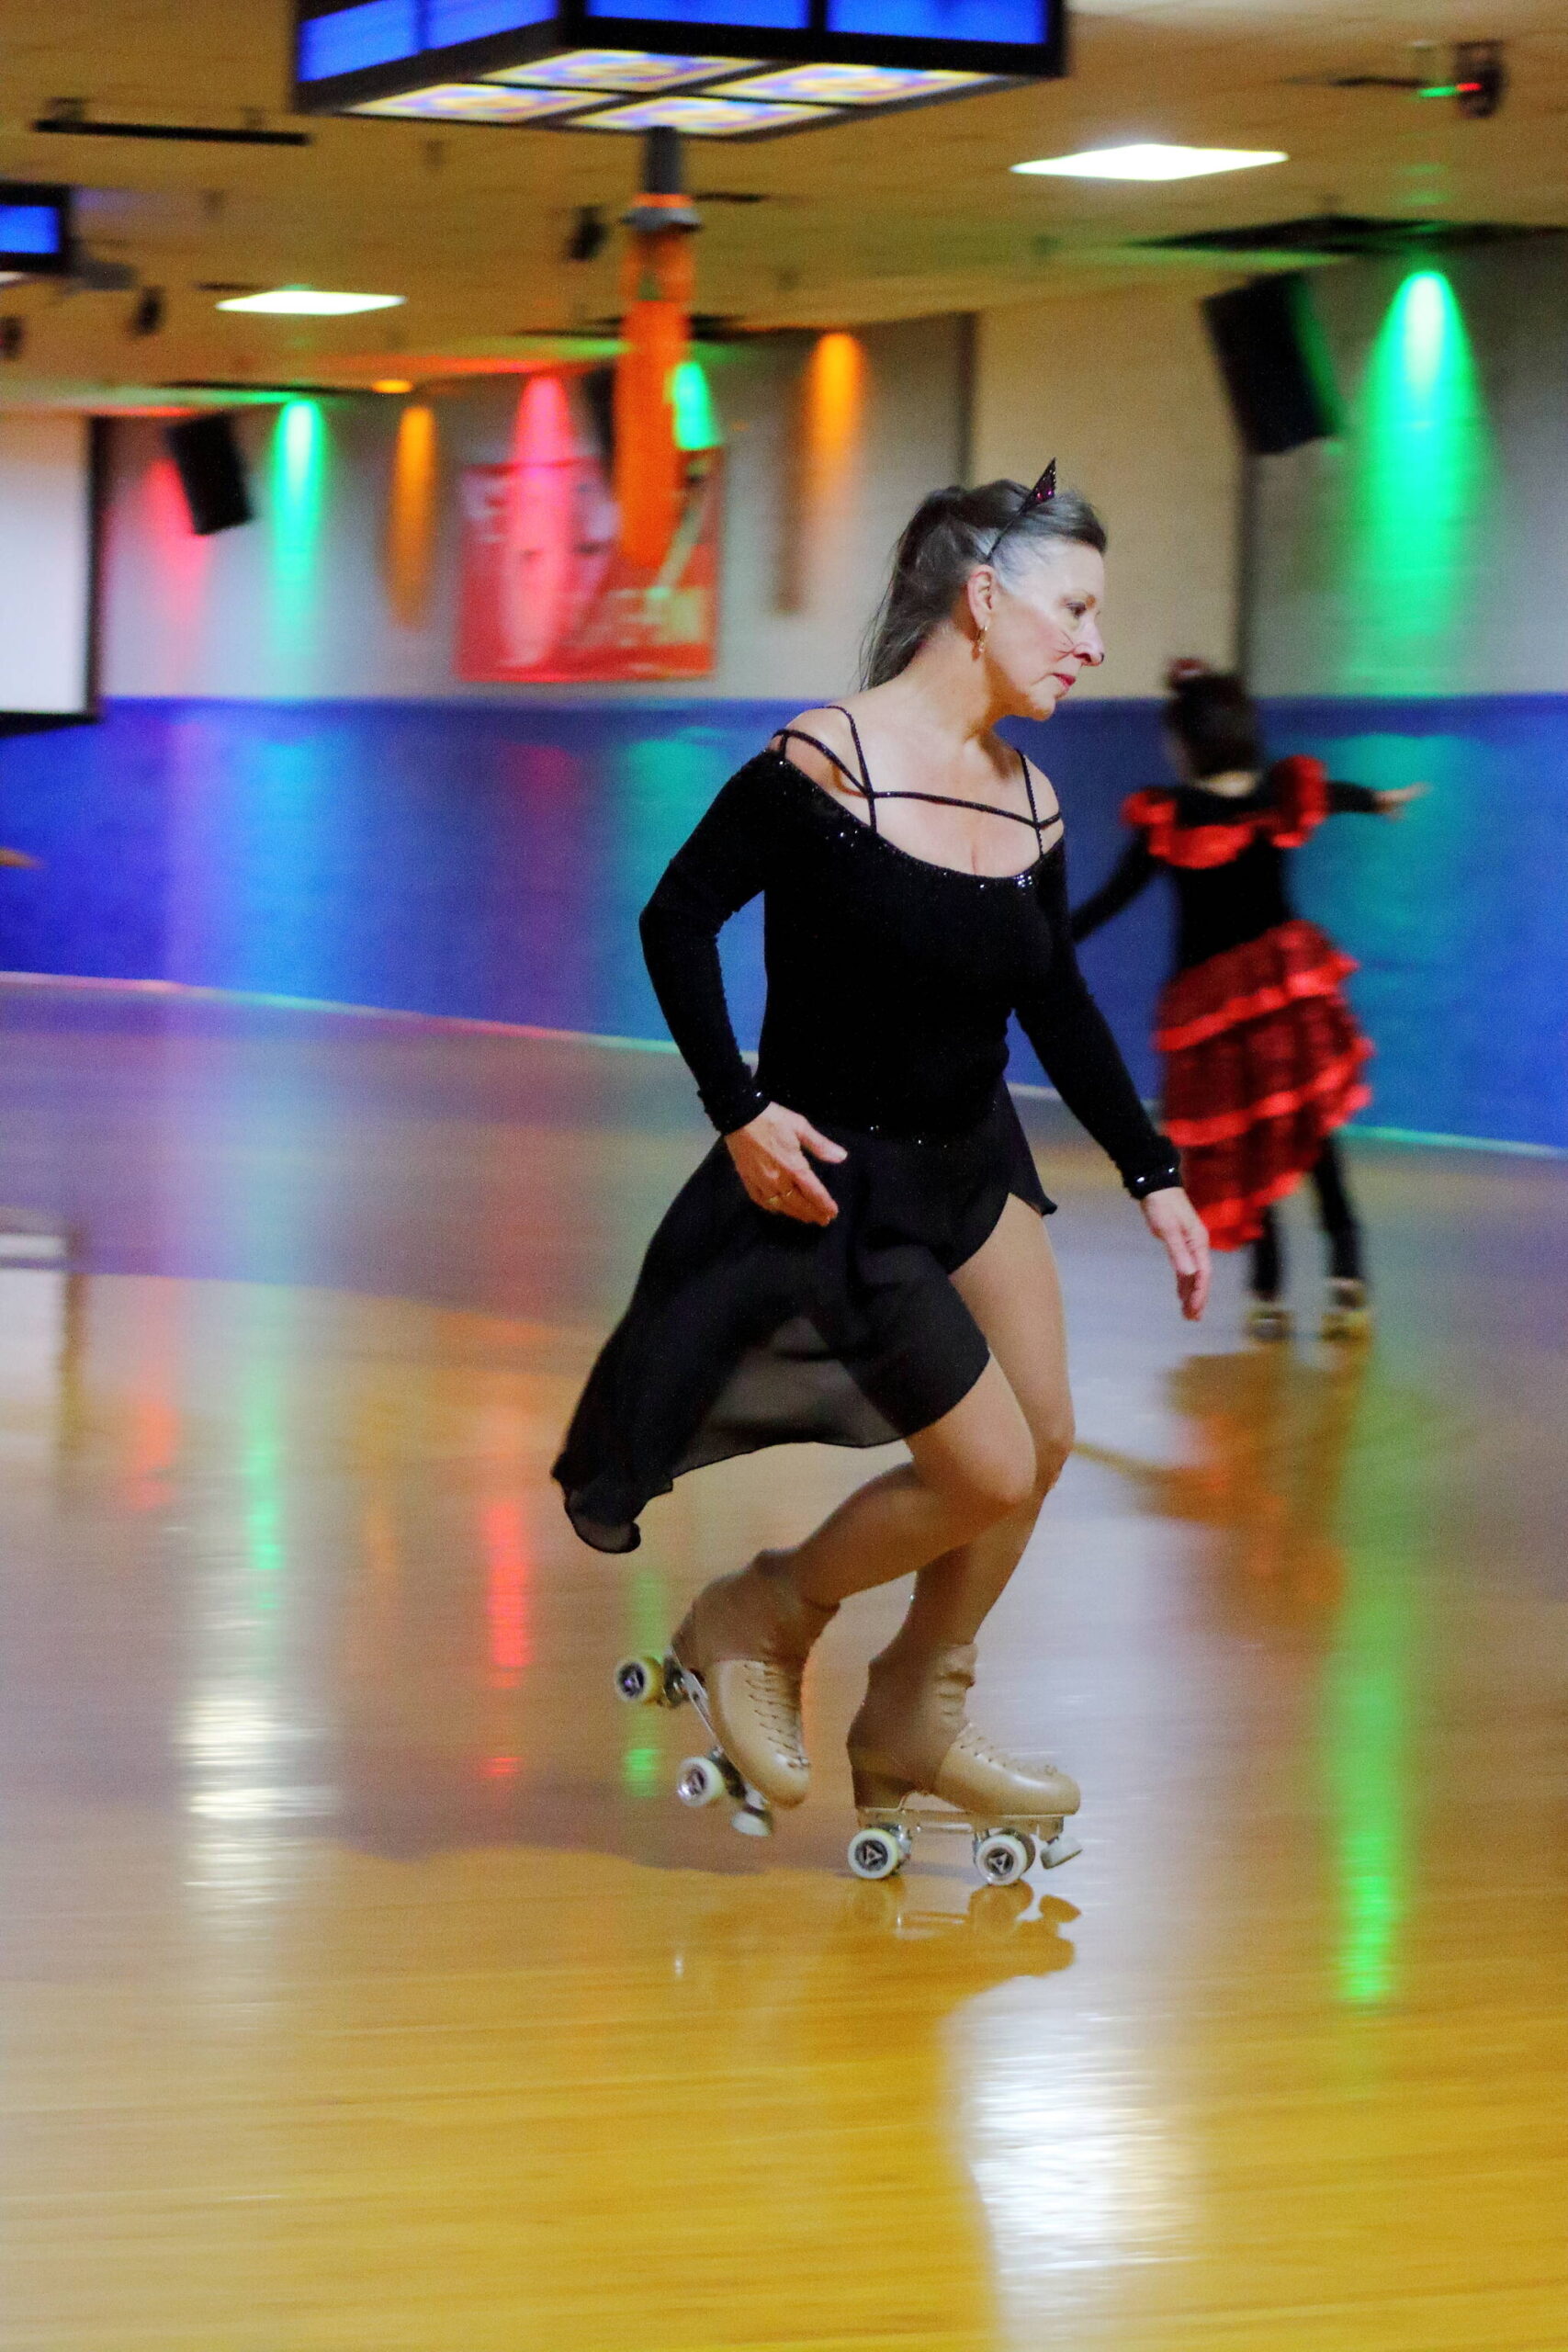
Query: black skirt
[749, 1330]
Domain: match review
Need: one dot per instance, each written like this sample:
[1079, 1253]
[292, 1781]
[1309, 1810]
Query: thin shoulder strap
[869, 794]
[799, 735]
[1029, 787]
[865, 783]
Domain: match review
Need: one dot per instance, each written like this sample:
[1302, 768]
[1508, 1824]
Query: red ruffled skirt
[1262, 1060]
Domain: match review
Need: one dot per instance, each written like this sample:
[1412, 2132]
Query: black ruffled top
[890, 980]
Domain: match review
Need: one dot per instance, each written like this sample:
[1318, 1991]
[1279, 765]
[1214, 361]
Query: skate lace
[984, 1751]
[774, 1692]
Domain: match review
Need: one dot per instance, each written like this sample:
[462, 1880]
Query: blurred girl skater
[1263, 1059]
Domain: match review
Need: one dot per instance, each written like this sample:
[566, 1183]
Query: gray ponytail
[950, 533]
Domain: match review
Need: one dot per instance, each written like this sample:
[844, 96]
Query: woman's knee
[990, 1478]
[1054, 1440]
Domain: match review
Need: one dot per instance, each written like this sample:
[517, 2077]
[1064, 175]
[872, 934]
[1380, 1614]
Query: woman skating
[864, 1257]
[1263, 1060]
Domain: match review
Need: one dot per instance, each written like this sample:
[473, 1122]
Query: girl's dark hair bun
[1215, 718]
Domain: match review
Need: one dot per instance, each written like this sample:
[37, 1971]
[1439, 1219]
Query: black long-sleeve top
[890, 980]
[1238, 896]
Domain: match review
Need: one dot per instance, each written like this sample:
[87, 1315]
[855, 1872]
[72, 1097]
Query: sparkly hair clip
[1043, 491]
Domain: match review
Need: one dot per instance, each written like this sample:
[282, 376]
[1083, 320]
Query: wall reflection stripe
[1367, 1728]
[504, 1540]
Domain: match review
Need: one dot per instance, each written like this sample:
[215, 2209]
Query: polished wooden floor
[364, 1988]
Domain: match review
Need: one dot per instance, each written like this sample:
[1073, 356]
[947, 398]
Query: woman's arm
[1084, 1063]
[721, 866]
[1082, 1060]
[1132, 871]
[724, 863]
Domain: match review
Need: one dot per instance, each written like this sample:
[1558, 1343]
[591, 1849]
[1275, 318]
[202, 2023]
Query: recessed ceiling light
[618, 69]
[310, 302]
[1150, 161]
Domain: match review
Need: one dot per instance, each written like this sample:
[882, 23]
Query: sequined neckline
[926, 864]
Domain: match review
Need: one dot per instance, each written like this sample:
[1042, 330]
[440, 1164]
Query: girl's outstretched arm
[1364, 800]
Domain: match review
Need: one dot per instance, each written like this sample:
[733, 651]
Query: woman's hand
[1394, 802]
[1177, 1226]
[770, 1153]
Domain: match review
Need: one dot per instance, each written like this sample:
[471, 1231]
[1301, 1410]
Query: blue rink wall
[489, 861]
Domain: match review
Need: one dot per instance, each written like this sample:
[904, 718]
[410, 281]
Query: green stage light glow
[299, 471]
[1421, 460]
[697, 419]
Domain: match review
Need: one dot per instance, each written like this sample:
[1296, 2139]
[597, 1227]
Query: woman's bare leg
[961, 1509]
[1011, 1288]
[910, 1733]
[971, 1469]
[957, 1513]
[746, 1637]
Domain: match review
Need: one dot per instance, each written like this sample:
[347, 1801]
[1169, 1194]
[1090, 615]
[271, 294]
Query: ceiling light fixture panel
[815, 62]
[706, 118]
[636, 72]
[492, 102]
[310, 302]
[1148, 160]
[860, 85]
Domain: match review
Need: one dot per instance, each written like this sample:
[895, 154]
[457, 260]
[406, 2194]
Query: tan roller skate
[910, 1740]
[738, 1657]
[1348, 1312]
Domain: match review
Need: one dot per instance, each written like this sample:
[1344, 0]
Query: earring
[980, 640]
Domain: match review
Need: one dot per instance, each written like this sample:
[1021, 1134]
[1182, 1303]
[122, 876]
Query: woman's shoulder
[821, 743]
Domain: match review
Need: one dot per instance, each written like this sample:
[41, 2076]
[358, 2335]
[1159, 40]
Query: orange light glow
[392, 384]
[830, 433]
[411, 516]
[835, 399]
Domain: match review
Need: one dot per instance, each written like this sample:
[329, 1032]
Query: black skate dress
[890, 984]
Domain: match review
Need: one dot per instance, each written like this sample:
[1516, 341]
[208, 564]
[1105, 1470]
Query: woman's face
[1041, 624]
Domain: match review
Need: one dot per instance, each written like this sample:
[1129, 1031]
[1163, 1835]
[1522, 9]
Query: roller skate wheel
[1003, 1857]
[752, 1821]
[877, 1853]
[641, 1681]
[700, 1781]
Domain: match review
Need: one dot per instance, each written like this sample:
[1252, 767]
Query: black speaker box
[1274, 364]
[213, 473]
